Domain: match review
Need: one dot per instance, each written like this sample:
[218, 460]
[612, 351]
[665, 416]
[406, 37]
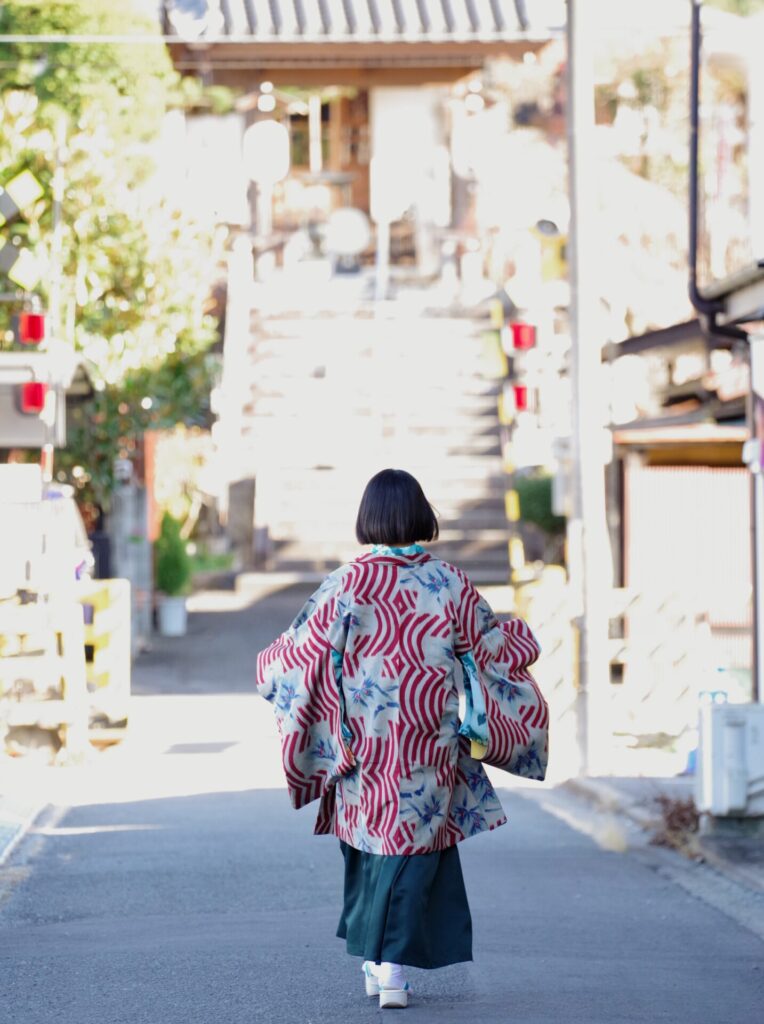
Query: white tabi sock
[390, 975]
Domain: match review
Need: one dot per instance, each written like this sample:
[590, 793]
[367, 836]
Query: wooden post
[314, 130]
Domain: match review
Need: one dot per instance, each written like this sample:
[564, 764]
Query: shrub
[535, 494]
[173, 565]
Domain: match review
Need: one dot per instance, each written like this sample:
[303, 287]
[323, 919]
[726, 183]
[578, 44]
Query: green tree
[738, 6]
[128, 268]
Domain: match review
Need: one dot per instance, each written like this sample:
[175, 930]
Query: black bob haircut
[394, 511]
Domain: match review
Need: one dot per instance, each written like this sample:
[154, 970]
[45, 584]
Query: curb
[608, 797]
[15, 822]
[748, 877]
[605, 796]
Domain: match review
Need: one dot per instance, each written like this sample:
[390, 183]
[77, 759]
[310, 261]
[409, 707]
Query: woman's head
[395, 511]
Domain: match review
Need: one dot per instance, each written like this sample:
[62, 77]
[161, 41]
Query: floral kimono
[366, 685]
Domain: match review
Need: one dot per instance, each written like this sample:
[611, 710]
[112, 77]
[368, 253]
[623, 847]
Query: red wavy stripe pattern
[406, 630]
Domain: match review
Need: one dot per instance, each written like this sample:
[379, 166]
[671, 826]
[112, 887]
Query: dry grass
[678, 826]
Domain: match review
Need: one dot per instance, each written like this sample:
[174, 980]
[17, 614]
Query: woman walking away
[365, 685]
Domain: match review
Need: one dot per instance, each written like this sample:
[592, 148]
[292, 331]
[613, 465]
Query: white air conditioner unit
[730, 776]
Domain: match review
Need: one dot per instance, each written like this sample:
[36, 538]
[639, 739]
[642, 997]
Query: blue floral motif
[407, 795]
[436, 581]
[287, 695]
[302, 617]
[430, 811]
[368, 690]
[506, 689]
[324, 750]
[480, 786]
[486, 617]
[361, 694]
[433, 582]
[469, 818]
[387, 704]
[528, 764]
[387, 701]
[475, 780]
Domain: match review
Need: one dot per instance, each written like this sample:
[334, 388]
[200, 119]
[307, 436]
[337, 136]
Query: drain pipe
[708, 309]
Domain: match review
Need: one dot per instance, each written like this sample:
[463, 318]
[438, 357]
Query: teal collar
[385, 549]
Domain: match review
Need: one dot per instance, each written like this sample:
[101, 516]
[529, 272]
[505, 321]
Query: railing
[42, 672]
[65, 664]
[661, 662]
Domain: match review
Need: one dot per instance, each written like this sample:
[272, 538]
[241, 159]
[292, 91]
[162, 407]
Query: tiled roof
[359, 21]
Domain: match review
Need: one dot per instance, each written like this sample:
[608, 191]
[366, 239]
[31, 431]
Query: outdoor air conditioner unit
[730, 776]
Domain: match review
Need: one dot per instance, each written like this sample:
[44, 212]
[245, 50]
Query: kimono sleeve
[297, 675]
[516, 712]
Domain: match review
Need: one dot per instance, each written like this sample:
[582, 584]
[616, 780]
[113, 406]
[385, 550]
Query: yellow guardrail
[42, 671]
[106, 605]
[65, 662]
[497, 367]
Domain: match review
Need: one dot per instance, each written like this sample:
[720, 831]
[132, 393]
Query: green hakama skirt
[409, 910]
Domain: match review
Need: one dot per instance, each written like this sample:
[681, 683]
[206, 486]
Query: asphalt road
[180, 888]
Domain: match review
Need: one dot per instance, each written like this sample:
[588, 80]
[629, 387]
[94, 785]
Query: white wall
[410, 161]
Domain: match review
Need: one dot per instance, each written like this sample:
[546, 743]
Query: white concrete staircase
[335, 398]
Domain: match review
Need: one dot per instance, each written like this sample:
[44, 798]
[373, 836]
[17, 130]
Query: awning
[642, 435]
[687, 333]
[359, 21]
[352, 42]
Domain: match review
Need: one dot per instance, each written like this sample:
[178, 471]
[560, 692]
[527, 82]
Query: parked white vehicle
[43, 542]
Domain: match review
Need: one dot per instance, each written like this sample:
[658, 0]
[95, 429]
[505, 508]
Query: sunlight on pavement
[232, 744]
[54, 830]
[251, 587]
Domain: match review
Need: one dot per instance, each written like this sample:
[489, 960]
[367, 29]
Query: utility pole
[589, 559]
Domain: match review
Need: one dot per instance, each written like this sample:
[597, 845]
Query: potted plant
[173, 573]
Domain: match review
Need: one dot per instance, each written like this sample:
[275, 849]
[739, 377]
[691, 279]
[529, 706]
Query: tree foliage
[128, 83]
[738, 6]
[129, 269]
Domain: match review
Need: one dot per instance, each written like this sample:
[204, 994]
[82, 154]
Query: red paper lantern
[522, 398]
[30, 328]
[523, 335]
[33, 395]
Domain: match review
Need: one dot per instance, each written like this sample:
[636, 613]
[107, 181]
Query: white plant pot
[173, 618]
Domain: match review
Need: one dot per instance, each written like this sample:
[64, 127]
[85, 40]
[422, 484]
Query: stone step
[487, 566]
[305, 511]
[489, 551]
[364, 392]
[462, 473]
[451, 497]
[344, 392]
[336, 408]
